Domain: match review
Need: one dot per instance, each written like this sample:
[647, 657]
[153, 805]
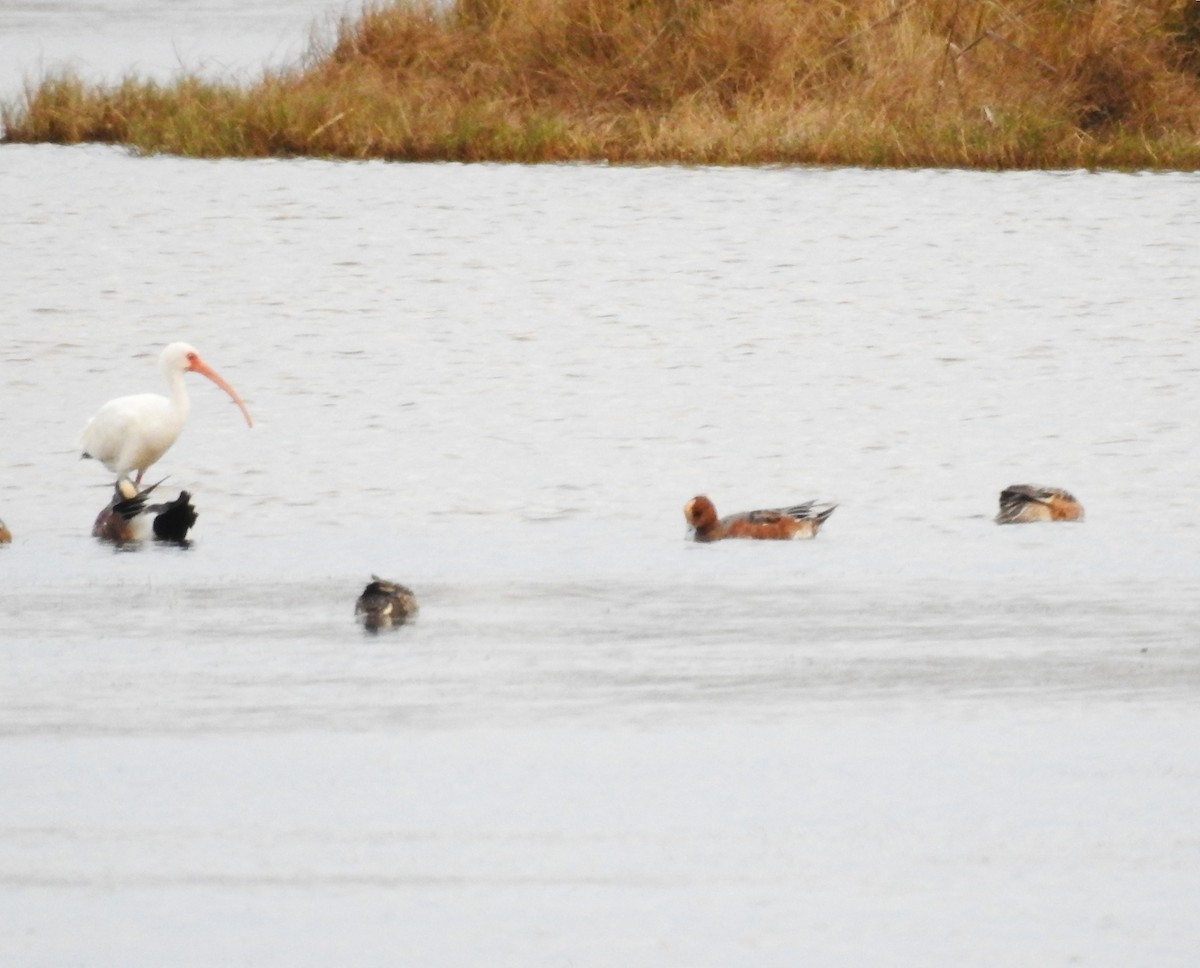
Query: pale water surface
[106, 40]
[919, 740]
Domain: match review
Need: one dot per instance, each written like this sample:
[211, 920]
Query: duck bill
[199, 366]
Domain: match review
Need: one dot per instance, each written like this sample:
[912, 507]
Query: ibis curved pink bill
[131, 433]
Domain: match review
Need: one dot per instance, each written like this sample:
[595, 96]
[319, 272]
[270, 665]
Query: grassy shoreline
[924, 83]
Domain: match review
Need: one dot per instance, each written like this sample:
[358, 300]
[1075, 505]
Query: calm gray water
[919, 740]
[106, 40]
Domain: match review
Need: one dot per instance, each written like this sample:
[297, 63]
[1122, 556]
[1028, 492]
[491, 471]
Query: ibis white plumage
[131, 433]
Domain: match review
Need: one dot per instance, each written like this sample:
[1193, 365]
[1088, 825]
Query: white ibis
[131, 433]
[385, 605]
[128, 518]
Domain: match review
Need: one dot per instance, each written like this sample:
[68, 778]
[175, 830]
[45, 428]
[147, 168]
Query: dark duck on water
[129, 518]
[385, 605]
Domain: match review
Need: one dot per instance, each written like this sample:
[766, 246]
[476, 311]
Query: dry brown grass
[976, 83]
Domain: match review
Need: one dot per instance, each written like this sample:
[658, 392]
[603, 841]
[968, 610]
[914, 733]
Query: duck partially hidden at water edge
[129, 518]
[385, 605]
[1023, 503]
[5, 534]
[779, 524]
